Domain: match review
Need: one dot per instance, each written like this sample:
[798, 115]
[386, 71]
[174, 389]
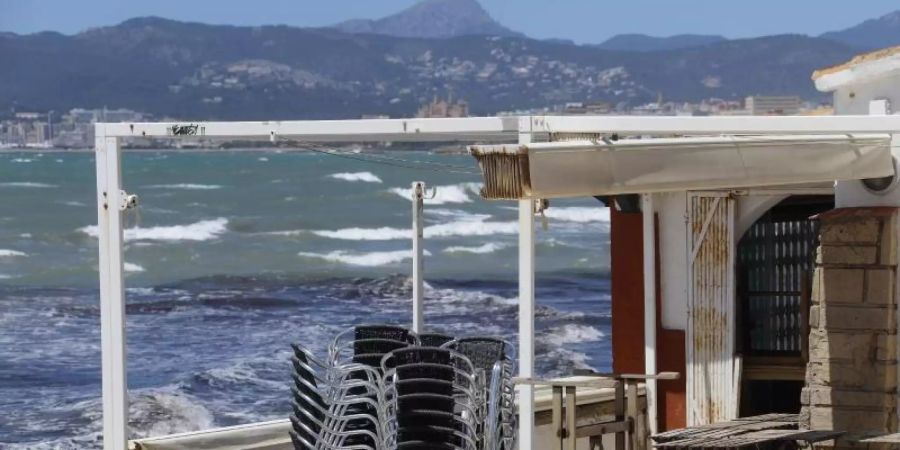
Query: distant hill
[432, 19]
[197, 71]
[871, 34]
[645, 43]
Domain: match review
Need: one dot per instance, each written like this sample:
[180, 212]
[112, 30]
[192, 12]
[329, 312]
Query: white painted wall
[671, 210]
[854, 100]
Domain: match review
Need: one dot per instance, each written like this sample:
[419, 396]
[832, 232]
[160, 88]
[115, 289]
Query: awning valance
[588, 168]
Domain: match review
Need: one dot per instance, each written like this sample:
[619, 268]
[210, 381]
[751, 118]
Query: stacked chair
[493, 360]
[383, 387]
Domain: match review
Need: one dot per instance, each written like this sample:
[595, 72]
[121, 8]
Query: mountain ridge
[637, 42]
[432, 19]
[872, 34]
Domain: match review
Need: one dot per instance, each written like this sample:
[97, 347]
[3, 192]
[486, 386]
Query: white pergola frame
[112, 201]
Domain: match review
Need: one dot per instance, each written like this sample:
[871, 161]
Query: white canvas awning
[582, 168]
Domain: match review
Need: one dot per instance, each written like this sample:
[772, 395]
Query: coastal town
[73, 129]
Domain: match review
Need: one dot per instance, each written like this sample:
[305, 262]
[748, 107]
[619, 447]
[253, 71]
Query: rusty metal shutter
[711, 390]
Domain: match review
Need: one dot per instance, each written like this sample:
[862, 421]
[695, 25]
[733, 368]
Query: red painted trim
[627, 279]
[627, 286]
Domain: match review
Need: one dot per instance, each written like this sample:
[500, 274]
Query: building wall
[851, 377]
[854, 100]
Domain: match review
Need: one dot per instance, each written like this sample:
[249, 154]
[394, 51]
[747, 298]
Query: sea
[233, 255]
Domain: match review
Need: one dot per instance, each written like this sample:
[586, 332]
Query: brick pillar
[851, 377]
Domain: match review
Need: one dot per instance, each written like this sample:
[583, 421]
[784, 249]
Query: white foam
[203, 230]
[449, 229]
[572, 333]
[490, 247]
[366, 177]
[27, 184]
[365, 234]
[188, 186]
[471, 228]
[22, 160]
[167, 412]
[4, 253]
[454, 193]
[455, 214]
[4, 276]
[371, 259]
[134, 268]
[263, 159]
[579, 214]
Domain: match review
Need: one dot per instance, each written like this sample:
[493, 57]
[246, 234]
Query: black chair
[434, 339]
[430, 390]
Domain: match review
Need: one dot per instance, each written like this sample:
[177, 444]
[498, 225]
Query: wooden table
[779, 429]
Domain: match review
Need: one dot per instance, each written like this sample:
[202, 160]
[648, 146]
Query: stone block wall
[851, 376]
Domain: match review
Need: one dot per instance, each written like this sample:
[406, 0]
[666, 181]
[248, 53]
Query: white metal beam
[505, 128]
[418, 272]
[712, 125]
[526, 309]
[112, 292]
[472, 128]
[648, 213]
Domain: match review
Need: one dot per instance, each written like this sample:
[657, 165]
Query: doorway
[775, 261]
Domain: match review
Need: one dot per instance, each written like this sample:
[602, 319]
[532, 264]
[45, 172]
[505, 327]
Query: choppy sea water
[233, 255]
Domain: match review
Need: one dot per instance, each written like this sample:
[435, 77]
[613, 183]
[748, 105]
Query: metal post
[526, 307]
[649, 238]
[112, 291]
[418, 292]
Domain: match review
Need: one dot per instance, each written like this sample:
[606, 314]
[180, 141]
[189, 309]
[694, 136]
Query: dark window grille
[774, 256]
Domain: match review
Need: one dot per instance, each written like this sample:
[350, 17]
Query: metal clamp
[127, 201]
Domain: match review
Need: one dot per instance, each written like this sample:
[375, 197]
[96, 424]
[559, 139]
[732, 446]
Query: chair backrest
[434, 339]
[483, 352]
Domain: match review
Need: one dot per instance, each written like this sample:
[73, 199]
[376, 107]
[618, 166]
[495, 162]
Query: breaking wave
[364, 234]
[371, 259]
[187, 186]
[572, 333]
[366, 177]
[134, 268]
[454, 193]
[449, 229]
[27, 184]
[4, 253]
[203, 230]
[490, 247]
[579, 214]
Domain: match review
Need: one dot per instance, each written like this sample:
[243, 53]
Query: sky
[583, 21]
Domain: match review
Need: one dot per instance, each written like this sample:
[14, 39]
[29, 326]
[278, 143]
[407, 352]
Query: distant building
[764, 105]
[588, 109]
[439, 108]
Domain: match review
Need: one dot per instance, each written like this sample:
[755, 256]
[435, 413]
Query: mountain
[871, 34]
[432, 19]
[195, 71]
[645, 43]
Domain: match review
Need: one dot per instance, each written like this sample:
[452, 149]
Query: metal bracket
[127, 201]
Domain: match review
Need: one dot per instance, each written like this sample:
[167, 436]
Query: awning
[588, 168]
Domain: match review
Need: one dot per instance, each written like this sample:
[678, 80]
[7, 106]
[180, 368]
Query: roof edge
[857, 70]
